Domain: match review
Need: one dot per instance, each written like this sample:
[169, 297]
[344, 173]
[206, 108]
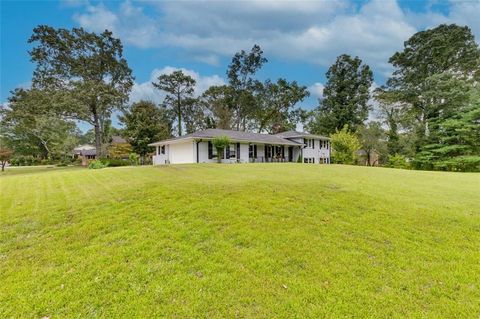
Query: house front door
[290, 153]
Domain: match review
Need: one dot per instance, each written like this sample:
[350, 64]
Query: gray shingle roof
[118, 140]
[85, 152]
[238, 136]
[294, 134]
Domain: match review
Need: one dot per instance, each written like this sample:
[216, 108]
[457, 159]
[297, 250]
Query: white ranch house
[245, 147]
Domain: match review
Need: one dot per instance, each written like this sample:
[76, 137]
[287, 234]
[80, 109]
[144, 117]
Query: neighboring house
[245, 147]
[86, 151]
[118, 148]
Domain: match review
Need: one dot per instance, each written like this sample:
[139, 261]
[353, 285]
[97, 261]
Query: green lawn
[223, 241]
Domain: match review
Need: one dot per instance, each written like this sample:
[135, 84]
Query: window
[212, 151]
[252, 151]
[309, 142]
[309, 160]
[162, 149]
[231, 151]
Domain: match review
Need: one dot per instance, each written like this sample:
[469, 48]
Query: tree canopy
[179, 88]
[345, 96]
[84, 73]
[145, 123]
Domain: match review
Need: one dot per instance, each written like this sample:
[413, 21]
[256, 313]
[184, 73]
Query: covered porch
[270, 153]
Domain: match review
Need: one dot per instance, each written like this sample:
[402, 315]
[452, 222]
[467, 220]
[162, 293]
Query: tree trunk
[3, 165]
[98, 136]
[179, 114]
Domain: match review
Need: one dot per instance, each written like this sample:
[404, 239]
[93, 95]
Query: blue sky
[300, 38]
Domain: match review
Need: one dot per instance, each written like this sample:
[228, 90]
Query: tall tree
[276, 111]
[446, 49]
[454, 108]
[345, 97]
[145, 124]
[85, 72]
[391, 113]
[218, 103]
[241, 72]
[179, 88]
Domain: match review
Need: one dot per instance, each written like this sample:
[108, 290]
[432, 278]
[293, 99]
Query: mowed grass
[243, 241]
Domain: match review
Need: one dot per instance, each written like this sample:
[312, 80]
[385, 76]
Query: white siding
[159, 158]
[244, 153]
[182, 153]
[315, 152]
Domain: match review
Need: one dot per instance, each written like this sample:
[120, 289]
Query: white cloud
[307, 31]
[146, 91]
[316, 90]
[129, 23]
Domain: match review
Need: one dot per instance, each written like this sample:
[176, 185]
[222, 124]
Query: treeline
[428, 111]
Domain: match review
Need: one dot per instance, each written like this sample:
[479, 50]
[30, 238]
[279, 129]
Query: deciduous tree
[32, 127]
[345, 145]
[218, 104]
[450, 50]
[371, 137]
[85, 73]
[241, 77]
[145, 124]
[276, 111]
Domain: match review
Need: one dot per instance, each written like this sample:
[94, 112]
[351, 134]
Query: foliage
[437, 58]
[218, 104]
[459, 164]
[31, 127]
[85, 74]
[145, 124]
[220, 143]
[371, 139]
[97, 164]
[391, 112]
[345, 145]
[119, 150]
[241, 72]
[179, 88]
[397, 161]
[275, 112]
[115, 162]
[455, 130]
[134, 158]
[345, 96]
[316, 230]
[5, 156]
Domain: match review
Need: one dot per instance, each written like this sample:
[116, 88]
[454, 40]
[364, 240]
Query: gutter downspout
[198, 156]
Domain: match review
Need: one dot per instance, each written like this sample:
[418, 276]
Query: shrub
[133, 158]
[397, 161]
[459, 164]
[114, 162]
[97, 164]
[344, 146]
